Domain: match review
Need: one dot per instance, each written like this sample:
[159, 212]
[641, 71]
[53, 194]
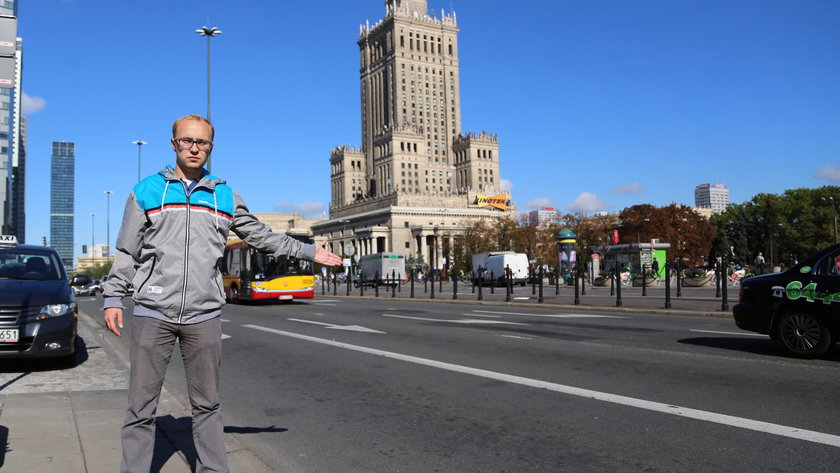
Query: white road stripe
[482, 315]
[556, 316]
[744, 334]
[740, 422]
[225, 336]
[459, 321]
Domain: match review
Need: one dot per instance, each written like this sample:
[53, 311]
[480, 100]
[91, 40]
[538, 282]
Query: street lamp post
[209, 32]
[139, 144]
[108, 223]
[834, 210]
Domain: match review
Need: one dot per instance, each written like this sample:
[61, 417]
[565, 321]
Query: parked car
[799, 307]
[38, 313]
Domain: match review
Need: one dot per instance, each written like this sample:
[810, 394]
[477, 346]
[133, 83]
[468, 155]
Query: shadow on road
[757, 346]
[172, 436]
[253, 430]
[30, 365]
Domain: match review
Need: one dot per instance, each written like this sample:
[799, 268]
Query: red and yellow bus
[251, 275]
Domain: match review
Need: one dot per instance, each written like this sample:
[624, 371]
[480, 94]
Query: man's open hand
[324, 256]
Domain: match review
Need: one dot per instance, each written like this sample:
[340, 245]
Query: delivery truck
[384, 266]
[491, 266]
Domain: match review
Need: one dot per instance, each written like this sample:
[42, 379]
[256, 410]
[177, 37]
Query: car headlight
[56, 310]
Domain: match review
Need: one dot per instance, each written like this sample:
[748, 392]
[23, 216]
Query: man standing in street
[170, 246]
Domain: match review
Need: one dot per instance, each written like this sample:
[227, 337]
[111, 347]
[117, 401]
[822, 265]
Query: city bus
[251, 275]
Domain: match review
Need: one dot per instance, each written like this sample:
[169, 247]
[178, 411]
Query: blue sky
[598, 104]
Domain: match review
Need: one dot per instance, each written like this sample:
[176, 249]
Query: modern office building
[417, 181]
[715, 197]
[62, 189]
[543, 217]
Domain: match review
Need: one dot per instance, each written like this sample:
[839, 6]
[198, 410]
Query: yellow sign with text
[500, 201]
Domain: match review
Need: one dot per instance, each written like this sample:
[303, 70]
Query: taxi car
[799, 307]
[38, 314]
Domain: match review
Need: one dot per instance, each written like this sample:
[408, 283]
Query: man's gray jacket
[171, 243]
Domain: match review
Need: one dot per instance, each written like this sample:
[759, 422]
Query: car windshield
[17, 263]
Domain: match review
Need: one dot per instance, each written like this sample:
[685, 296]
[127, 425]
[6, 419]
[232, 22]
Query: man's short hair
[193, 116]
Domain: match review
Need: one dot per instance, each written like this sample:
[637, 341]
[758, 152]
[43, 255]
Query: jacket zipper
[186, 255]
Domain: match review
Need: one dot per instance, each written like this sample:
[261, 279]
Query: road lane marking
[746, 334]
[352, 328]
[459, 321]
[516, 337]
[555, 316]
[484, 315]
[225, 336]
[723, 419]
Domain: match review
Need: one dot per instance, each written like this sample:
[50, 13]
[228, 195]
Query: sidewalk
[693, 301]
[69, 420]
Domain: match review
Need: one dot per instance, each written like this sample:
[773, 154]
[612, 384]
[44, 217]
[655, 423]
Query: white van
[493, 264]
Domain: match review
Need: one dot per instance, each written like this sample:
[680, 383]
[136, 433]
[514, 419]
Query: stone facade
[415, 182]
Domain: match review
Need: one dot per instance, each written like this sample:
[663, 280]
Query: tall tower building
[18, 194]
[414, 160]
[62, 177]
[715, 197]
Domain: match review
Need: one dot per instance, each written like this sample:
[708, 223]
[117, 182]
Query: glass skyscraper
[62, 177]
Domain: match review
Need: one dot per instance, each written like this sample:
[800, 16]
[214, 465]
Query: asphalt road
[348, 385]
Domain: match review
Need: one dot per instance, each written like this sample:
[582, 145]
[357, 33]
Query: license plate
[285, 297]
[9, 336]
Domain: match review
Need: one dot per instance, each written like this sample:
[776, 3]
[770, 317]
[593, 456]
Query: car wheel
[803, 334]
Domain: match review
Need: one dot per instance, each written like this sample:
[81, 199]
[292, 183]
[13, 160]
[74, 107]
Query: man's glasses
[187, 143]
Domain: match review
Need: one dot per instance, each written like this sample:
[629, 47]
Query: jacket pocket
[139, 288]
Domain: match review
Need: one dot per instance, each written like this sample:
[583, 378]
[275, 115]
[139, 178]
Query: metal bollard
[412, 284]
[323, 278]
[454, 287]
[679, 283]
[577, 289]
[724, 303]
[335, 283]
[540, 298]
[480, 287]
[612, 284]
[644, 280]
[432, 277]
[362, 284]
[667, 285]
[618, 301]
[393, 284]
[492, 283]
[426, 282]
[507, 284]
[376, 284]
[472, 281]
[717, 279]
[556, 282]
[583, 282]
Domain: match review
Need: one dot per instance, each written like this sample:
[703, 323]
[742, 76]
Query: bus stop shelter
[633, 256]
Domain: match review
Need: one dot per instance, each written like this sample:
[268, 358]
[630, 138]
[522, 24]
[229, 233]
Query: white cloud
[506, 185]
[632, 188]
[828, 172]
[586, 202]
[306, 209]
[539, 203]
[29, 105]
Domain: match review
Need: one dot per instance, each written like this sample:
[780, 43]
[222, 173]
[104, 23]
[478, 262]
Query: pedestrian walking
[759, 264]
[169, 248]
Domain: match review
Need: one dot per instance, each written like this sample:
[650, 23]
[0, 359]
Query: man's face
[837, 263]
[189, 161]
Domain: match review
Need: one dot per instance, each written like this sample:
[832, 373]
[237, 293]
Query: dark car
[38, 312]
[799, 307]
